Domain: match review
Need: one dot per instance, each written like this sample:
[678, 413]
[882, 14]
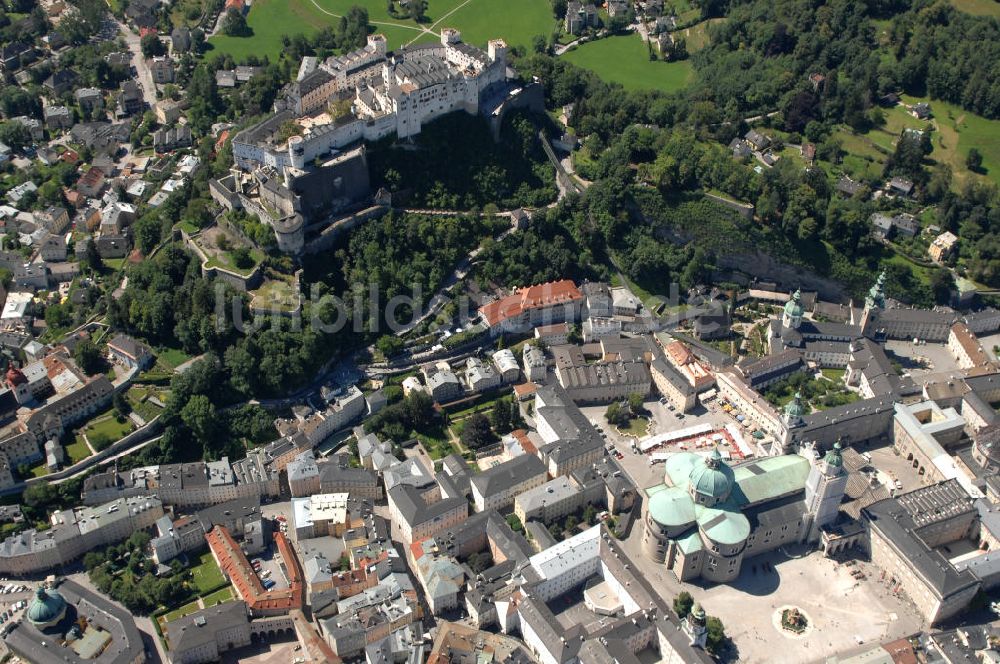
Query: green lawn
[269, 20]
[171, 358]
[138, 399]
[224, 259]
[207, 576]
[106, 429]
[625, 60]
[39, 470]
[218, 597]
[637, 427]
[978, 7]
[77, 450]
[836, 375]
[957, 132]
[180, 612]
[516, 21]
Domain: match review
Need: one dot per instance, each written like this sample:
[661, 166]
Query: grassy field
[516, 21]
[138, 399]
[224, 259]
[106, 429]
[218, 597]
[978, 7]
[207, 576]
[77, 450]
[625, 60]
[171, 358]
[637, 427]
[269, 20]
[179, 612]
[957, 132]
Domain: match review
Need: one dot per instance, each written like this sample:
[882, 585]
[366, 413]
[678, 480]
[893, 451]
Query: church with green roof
[709, 516]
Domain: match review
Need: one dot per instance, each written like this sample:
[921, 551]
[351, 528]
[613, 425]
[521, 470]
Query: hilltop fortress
[289, 169]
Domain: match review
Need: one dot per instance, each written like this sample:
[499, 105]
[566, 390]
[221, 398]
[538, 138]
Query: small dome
[698, 613]
[712, 479]
[15, 377]
[833, 457]
[794, 408]
[793, 308]
[47, 608]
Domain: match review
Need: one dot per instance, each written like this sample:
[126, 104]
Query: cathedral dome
[712, 479]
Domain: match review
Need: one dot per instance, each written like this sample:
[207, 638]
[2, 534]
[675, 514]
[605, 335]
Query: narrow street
[144, 75]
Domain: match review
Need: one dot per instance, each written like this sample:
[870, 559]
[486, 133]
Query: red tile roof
[526, 444]
[532, 297]
[234, 564]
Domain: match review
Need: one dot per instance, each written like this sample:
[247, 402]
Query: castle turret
[297, 151]
[377, 44]
[497, 50]
[450, 36]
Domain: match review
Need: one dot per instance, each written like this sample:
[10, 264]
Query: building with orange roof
[541, 304]
[235, 566]
[525, 391]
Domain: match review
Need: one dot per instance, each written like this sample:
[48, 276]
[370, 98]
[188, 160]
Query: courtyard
[924, 362]
[844, 612]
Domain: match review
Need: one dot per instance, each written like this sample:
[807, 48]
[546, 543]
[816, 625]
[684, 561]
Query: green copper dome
[793, 307]
[794, 408]
[712, 479]
[47, 608]
[833, 457]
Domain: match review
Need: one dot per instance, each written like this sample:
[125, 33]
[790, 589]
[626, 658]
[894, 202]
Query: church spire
[876, 295]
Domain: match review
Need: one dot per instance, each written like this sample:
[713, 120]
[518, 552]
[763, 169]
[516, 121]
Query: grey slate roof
[507, 474]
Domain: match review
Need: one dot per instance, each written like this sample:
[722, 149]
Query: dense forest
[456, 165]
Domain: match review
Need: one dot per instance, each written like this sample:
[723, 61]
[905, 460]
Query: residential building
[480, 376]
[424, 513]
[942, 247]
[579, 17]
[58, 117]
[130, 352]
[506, 365]
[966, 349]
[497, 487]
[534, 362]
[527, 308]
[570, 440]
[162, 69]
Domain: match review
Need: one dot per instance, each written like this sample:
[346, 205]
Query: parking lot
[14, 598]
